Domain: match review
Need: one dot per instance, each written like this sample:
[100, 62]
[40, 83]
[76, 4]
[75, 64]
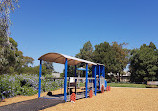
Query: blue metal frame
[39, 84]
[65, 80]
[75, 71]
[95, 82]
[99, 71]
[99, 75]
[104, 71]
[86, 80]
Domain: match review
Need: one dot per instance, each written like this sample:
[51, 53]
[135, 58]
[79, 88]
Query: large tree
[86, 52]
[144, 63]
[6, 6]
[114, 56]
[11, 58]
[7, 52]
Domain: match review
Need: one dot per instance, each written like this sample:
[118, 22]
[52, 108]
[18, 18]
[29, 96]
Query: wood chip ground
[118, 99]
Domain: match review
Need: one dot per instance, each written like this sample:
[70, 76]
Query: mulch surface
[31, 105]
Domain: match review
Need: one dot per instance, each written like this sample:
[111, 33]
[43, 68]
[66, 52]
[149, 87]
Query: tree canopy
[114, 56]
[86, 52]
[144, 63]
[9, 55]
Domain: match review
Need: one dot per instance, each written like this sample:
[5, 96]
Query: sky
[63, 26]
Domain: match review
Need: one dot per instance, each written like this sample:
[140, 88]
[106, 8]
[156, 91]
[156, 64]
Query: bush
[24, 84]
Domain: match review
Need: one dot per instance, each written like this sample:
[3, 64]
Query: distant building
[56, 74]
[126, 77]
[123, 78]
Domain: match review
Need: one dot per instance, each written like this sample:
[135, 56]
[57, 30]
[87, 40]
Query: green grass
[82, 84]
[127, 85]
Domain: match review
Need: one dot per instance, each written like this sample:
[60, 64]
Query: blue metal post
[86, 80]
[65, 80]
[39, 84]
[104, 71]
[99, 75]
[95, 82]
[75, 71]
[75, 79]
[99, 70]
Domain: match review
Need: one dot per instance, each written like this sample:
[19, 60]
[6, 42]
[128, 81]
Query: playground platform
[79, 95]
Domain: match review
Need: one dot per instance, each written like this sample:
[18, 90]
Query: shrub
[24, 84]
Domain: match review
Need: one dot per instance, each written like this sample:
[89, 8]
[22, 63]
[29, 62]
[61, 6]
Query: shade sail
[60, 58]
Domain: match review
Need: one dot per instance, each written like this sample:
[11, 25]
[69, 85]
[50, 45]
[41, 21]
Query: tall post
[75, 71]
[95, 80]
[104, 71]
[65, 81]
[99, 70]
[39, 84]
[86, 80]
[99, 75]
[75, 79]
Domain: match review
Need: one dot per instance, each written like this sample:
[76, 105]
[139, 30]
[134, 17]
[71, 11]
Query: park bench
[152, 82]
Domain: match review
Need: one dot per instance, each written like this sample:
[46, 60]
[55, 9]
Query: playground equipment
[72, 84]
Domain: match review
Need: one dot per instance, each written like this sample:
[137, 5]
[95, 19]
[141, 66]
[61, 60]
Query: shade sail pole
[65, 81]
[75, 79]
[86, 80]
[39, 84]
[75, 71]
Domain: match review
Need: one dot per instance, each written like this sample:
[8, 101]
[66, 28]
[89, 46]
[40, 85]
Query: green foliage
[7, 54]
[13, 42]
[6, 6]
[12, 60]
[126, 85]
[86, 52]
[9, 58]
[71, 71]
[27, 60]
[114, 57]
[35, 70]
[144, 63]
[24, 84]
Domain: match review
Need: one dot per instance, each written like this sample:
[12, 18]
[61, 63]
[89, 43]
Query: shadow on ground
[31, 105]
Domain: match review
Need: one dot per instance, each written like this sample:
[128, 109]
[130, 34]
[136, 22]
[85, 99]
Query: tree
[27, 60]
[144, 63]
[86, 52]
[12, 60]
[121, 57]
[7, 54]
[49, 67]
[6, 6]
[114, 56]
[10, 57]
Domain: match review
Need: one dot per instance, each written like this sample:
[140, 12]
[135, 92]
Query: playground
[93, 94]
[92, 85]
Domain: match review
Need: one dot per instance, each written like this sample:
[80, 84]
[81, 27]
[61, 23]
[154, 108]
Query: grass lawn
[127, 85]
[122, 85]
